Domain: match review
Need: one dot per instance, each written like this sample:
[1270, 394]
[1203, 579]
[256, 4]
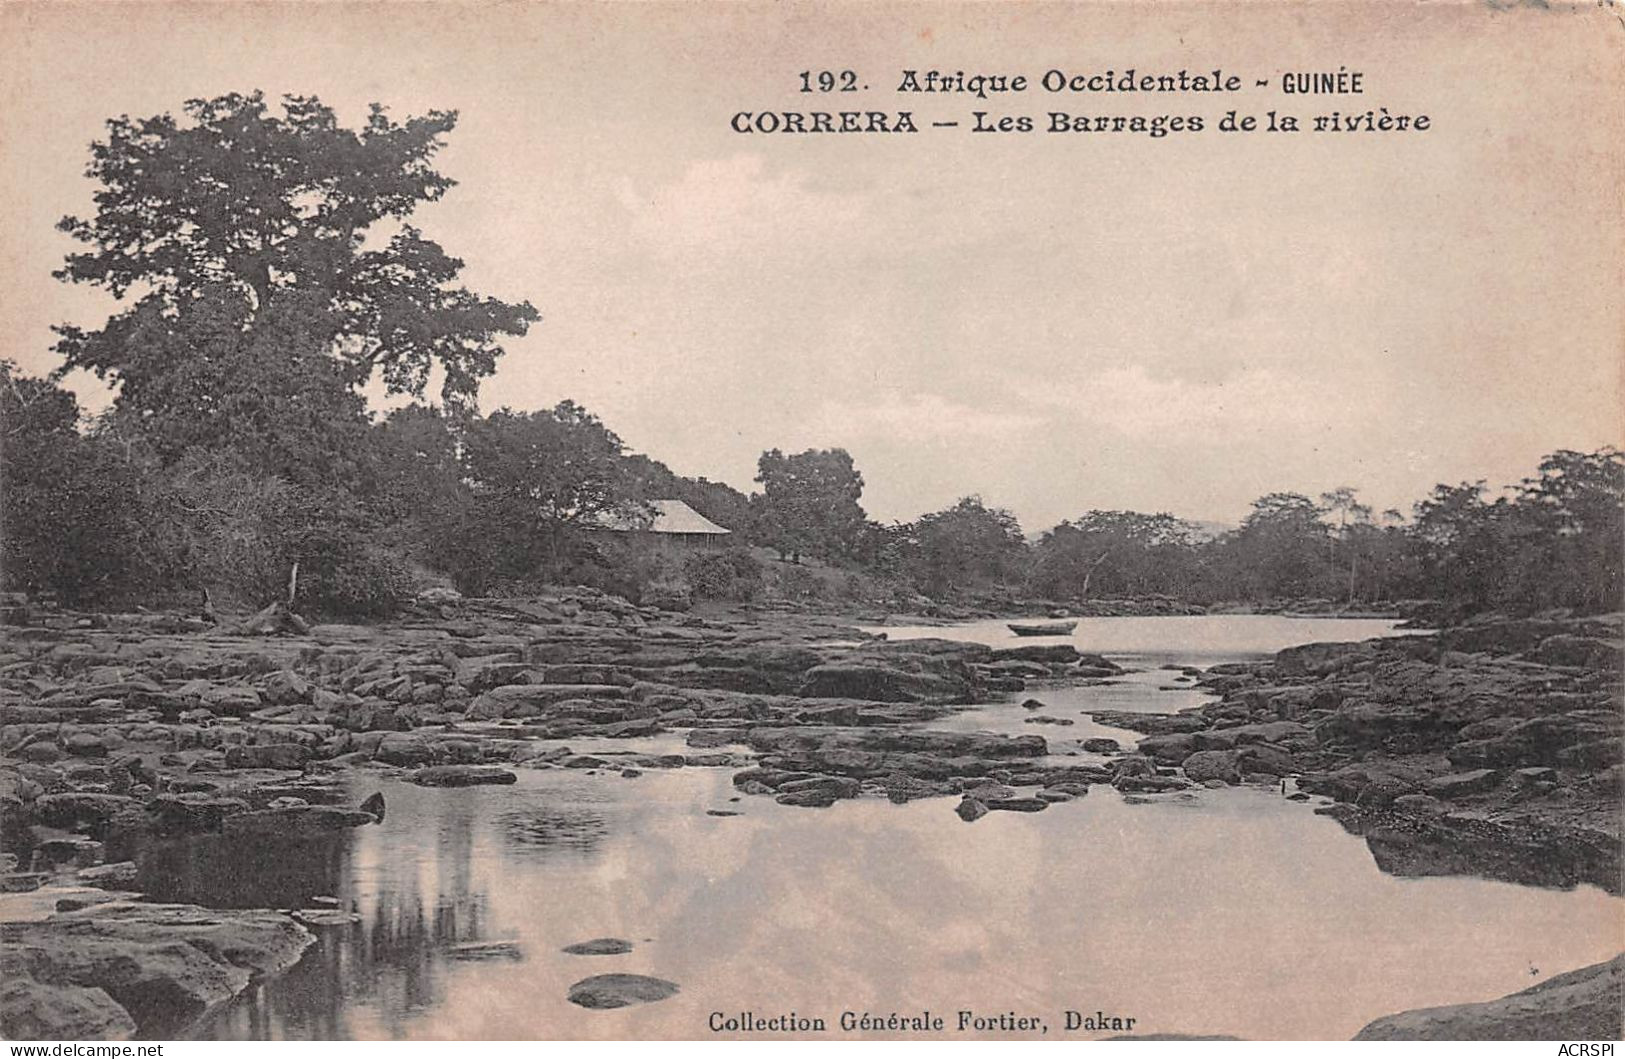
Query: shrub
[733, 574]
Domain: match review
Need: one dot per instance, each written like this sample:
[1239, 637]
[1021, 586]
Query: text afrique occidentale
[1109, 84]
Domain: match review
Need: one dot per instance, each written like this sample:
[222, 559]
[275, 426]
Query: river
[1230, 911]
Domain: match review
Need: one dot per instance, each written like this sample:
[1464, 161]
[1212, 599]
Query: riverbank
[1492, 748]
[124, 730]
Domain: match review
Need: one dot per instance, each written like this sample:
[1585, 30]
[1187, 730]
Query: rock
[1205, 765]
[117, 876]
[1018, 805]
[486, 950]
[1420, 804]
[39, 1011]
[814, 798]
[1369, 784]
[164, 965]
[845, 715]
[21, 882]
[1588, 652]
[405, 751]
[1133, 765]
[1537, 741]
[1317, 659]
[1457, 784]
[1049, 654]
[326, 918]
[986, 792]
[1150, 723]
[531, 700]
[1101, 745]
[970, 809]
[296, 820]
[195, 812]
[1266, 759]
[1149, 784]
[1169, 749]
[70, 810]
[462, 776]
[1584, 1005]
[374, 804]
[268, 756]
[285, 687]
[620, 990]
[877, 683]
[599, 947]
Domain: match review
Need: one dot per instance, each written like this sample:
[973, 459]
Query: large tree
[809, 503]
[964, 548]
[540, 477]
[266, 270]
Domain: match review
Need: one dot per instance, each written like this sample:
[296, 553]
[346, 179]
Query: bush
[734, 574]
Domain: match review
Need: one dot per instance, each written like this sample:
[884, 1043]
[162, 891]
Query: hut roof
[672, 516]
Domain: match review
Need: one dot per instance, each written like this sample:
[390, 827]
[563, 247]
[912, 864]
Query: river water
[1232, 912]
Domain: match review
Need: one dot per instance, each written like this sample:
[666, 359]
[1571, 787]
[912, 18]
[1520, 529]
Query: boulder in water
[599, 947]
[620, 990]
[970, 809]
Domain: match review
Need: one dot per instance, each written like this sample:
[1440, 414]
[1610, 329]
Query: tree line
[266, 270]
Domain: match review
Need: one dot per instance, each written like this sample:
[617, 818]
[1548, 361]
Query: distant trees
[1115, 554]
[1283, 550]
[808, 505]
[265, 271]
[1555, 541]
[967, 547]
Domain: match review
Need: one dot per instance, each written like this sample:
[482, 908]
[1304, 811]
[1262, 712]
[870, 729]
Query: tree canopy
[265, 253]
[809, 503]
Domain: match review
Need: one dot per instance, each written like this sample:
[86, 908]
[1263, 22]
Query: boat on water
[1041, 628]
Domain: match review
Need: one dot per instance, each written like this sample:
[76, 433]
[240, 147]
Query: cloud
[916, 418]
[1132, 402]
[734, 208]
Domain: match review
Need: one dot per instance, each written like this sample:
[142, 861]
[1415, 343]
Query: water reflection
[240, 871]
[1239, 913]
[551, 830]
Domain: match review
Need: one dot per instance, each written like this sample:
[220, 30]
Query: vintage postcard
[812, 521]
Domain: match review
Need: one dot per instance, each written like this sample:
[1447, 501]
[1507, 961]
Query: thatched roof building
[675, 522]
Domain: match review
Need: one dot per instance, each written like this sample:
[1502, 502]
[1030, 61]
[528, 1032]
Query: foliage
[732, 574]
[808, 505]
[967, 546]
[73, 515]
[538, 479]
[1115, 554]
[237, 219]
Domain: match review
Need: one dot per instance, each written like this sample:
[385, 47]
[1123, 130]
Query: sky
[1053, 322]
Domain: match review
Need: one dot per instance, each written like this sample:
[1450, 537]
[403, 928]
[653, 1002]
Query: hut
[674, 525]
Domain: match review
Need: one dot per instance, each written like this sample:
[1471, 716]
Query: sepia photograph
[811, 521]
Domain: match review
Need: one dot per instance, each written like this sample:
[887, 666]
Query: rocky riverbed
[1492, 748]
[122, 730]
